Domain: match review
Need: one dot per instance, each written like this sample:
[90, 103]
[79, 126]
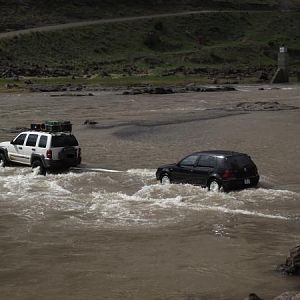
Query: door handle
[20, 148]
[33, 149]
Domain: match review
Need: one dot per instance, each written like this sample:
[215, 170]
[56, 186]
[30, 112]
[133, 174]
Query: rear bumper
[240, 183]
[61, 164]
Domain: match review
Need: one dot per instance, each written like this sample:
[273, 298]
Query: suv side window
[189, 161]
[63, 140]
[207, 161]
[20, 139]
[43, 141]
[31, 141]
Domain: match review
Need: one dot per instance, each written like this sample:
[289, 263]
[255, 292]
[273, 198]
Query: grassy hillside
[19, 14]
[198, 44]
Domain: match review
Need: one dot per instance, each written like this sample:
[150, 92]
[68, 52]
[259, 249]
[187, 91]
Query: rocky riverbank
[173, 90]
[291, 267]
[292, 263]
[129, 90]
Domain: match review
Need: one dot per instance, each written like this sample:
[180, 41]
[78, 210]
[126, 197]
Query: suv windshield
[240, 161]
[63, 141]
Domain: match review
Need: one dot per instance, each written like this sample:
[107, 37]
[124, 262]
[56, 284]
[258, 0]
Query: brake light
[228, 174]
[49, 154]
[79, 152]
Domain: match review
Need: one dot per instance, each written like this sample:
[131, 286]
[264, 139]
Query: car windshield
[63, 141]
[239, 161]
[189, 161]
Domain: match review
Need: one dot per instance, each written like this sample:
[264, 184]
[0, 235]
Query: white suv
[43, 150]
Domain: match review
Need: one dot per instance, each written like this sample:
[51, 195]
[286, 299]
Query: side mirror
[12, 142]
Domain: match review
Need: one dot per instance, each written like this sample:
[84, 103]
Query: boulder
[11, 85]
[90, 122]
[252, 296]
[262, 75]
[292, 263]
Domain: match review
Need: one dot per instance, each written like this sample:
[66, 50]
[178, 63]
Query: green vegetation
[170, 50]
[19, 14]
[186, 44]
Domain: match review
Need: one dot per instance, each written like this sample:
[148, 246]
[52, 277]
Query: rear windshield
[63, 141]
[239, 161]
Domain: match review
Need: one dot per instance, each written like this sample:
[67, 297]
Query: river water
[121, 235]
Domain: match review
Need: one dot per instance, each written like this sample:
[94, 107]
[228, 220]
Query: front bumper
[157, 174]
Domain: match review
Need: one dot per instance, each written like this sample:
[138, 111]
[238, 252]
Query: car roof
[45, 133]
[224, 153]
[33, 132]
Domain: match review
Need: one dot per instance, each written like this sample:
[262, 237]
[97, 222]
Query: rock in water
[292, 263]
[252, 296]
[90, 122]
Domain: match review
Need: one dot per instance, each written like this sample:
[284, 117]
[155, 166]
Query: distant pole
[283, 60]
[282, 73]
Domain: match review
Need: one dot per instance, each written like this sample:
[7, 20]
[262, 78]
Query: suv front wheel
[3, 160]
[165, 179]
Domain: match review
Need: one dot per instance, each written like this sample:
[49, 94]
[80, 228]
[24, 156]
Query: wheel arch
[5, 152]
[213, 177]
[37, 157]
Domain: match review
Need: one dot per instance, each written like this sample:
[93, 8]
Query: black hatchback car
[217, 170]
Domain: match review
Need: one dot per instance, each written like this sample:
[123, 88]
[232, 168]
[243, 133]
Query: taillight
[49, 154]
[228, 174]
[79, 152]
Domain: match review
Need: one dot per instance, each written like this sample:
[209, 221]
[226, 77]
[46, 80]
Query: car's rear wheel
[165, 179]
[3, 160]
[38, 167]
[214, 185]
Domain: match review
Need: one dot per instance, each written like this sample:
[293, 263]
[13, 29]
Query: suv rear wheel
[38, 164]
[214, 186]
[3, 160]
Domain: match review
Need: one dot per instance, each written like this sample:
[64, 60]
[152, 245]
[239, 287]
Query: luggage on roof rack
[66, 126]
[52, 126]
[37, 126]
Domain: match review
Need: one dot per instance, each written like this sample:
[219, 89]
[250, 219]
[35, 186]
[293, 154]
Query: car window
[20, 139]
[31, 141]
[207, 161]
[63, 141]
[43, 141]
[189, 161]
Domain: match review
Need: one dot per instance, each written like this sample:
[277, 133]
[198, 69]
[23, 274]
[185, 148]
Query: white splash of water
[242, 212]
[145, 173]
[96, 198]
[36, 171]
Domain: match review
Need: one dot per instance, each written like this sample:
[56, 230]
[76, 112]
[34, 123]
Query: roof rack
[52, 126]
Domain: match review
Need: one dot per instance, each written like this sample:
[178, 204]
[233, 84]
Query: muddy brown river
[121, 235]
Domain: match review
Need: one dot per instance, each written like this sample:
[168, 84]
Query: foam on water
[131, 198]
[146, 173]
[242, 212]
